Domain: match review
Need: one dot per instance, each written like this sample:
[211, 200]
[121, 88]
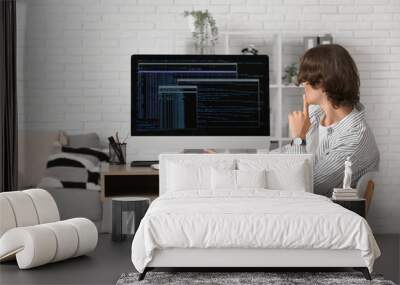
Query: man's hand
[299, 121]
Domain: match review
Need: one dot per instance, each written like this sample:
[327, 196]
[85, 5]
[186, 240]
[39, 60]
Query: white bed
[193, 225]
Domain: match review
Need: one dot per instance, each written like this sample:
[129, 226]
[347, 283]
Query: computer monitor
[200, 95]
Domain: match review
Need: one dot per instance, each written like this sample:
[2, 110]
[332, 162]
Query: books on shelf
[344, 194]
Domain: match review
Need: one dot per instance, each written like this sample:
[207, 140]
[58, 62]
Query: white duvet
[250, 219]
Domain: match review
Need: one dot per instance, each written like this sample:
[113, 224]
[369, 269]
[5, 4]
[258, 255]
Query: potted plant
[290, 76]
[204, 30]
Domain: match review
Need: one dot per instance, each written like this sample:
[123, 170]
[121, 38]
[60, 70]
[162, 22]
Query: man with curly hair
[332, 123]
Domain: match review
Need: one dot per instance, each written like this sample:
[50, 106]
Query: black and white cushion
[74, 168]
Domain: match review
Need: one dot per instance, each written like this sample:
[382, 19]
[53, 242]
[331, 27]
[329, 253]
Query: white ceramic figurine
[347, 174]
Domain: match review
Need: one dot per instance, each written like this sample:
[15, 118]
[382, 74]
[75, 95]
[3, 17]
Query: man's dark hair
[331, 68]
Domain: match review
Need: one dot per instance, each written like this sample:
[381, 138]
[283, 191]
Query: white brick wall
[74, 65]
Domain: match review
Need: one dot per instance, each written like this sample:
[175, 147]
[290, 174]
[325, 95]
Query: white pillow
[281, 174]
[223, 179]
[251, 178]
[183, 178]
[291, 179]
[185, 175]
[230, 180]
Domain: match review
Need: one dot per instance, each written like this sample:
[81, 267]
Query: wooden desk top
[113, 169]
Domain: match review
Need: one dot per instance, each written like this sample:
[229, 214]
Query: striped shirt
[350, 137]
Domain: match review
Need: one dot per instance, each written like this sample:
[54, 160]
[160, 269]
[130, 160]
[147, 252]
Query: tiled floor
[109, 260]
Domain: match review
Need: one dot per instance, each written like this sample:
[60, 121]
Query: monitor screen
[201, 95]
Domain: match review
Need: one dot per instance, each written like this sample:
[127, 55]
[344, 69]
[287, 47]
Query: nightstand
[358, 206]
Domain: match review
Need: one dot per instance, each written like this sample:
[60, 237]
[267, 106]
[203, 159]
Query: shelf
[292, 86]
[284, 86]
[277, 87]
[244, 33]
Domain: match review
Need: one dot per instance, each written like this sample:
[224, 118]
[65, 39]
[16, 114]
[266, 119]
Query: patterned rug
[243, 278]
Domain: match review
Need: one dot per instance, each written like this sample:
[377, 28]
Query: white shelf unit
[276, 86]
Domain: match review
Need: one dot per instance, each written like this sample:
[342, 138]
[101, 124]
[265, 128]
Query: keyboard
[143, 163]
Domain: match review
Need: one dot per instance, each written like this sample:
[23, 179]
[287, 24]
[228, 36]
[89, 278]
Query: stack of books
[344, 194]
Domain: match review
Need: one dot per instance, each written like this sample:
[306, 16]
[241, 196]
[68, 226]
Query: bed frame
[248, 259]
[259, 259]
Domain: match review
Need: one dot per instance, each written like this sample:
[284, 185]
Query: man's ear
[325, 97]
[334, 106]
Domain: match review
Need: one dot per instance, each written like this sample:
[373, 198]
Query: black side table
[358, 206]
[137, 205]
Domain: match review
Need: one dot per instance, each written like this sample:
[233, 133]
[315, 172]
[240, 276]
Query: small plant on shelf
[204, 30]
[290, 76]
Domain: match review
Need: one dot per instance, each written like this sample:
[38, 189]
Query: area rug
[244, 278]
